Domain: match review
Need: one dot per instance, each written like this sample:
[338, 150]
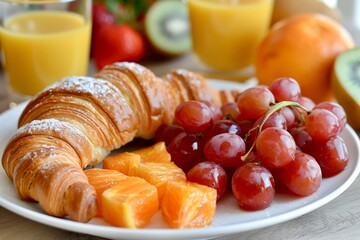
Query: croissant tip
[81, 205]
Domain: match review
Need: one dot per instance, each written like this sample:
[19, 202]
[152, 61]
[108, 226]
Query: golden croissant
[78, 121]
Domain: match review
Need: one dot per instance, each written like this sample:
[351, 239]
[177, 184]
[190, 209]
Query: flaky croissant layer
[79, 120]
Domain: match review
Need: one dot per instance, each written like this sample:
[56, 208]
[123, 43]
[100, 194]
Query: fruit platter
[127, 152]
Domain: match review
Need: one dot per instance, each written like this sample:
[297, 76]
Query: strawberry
[115, 43]
[100, 17]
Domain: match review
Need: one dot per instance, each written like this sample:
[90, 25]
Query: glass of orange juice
[225, 33]
[43, 41]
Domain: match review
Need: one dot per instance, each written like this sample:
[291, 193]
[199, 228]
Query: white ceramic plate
[229, 219]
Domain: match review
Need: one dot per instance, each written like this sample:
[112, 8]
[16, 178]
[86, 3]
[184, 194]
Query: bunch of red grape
[271, 136]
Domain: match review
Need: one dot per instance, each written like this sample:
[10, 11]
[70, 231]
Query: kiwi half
[346, 84]
[167, 27]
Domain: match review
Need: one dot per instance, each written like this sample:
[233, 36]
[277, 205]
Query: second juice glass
[225, 33]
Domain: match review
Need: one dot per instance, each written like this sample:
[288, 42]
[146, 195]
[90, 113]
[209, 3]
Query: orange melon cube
[159, 174]
[188, 205]
[131, 203]
[102, 179]
[122, 162]
[154, 153]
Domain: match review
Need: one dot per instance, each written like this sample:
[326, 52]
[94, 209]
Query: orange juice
[42, 47]
[225, 33]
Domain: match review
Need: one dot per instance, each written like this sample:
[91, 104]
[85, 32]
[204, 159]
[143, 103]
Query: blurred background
[175, 26]
[158, 42]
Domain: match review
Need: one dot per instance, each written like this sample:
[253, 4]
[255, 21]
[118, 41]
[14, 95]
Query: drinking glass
[43, 41]
[226, 33]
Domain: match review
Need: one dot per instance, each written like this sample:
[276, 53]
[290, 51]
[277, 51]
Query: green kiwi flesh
[167, 27]
[346, 84]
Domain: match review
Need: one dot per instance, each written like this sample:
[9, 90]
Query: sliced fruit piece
[131, 203]
[167, 27]
[159, 174]
[122, 162]
[151, 163]
[103, 179]
[154, 153]
[188, 205]
[346, 84]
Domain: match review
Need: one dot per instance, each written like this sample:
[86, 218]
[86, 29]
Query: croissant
[78, 121]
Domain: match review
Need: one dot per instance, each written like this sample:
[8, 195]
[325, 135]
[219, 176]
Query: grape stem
[266, 116]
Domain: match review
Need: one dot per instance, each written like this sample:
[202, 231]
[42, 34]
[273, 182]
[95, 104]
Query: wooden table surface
[339, 219]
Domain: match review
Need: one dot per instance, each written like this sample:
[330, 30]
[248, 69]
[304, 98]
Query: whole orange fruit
[303, 47]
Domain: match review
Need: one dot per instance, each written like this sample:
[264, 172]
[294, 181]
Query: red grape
[301, 137]
[254, 102]
[285, 89]
[209, 174]
[336, 109]
[167, 132]
[303, 175]
[194, 116]
[275, 147]
[322, 125]
[245, 126]
[275, 120]
[216, 112]
[253, 187]
[225, 149]
[332, 155]
[222, 126]
[307, 103]
[186, 150]
[230, 110]
[289, 116]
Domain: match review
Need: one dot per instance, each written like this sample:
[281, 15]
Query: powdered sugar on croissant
[79, 120]
[45, 160]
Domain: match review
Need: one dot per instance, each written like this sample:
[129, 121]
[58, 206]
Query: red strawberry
[116, 43]
[100, 17]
